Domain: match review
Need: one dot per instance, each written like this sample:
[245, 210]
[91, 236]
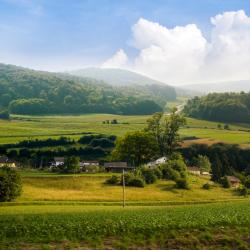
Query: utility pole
[123, 185]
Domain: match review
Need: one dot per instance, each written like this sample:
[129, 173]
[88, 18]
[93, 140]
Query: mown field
[39, 186]
[207, 226]
[30, 127]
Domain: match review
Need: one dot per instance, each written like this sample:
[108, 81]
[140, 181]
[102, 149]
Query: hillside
[130, 81]
[225, 107]
[25, 91]
[220, 87]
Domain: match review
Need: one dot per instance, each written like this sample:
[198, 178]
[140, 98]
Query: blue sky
[62, 34]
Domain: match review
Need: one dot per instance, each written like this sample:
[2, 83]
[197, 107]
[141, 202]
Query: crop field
[190, 226]
[30, 127]
[39, 186]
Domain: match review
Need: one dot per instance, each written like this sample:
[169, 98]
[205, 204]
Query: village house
[58, 161]
[5, 161]
[194, 170]
[157, 162]
[89, 166]
[234, 181]
[117, 167]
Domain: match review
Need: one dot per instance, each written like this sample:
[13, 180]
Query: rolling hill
[26, 91]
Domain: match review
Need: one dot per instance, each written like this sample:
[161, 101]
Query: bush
[113, 180]
[182, 183]
[247, 182]
[170, 173]
[10, 184]
[225, 182]
[243, 191]
[133, 180]
[136, 181]
[148, 175]
[206, 186]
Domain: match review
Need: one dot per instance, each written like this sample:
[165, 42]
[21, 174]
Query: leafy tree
[203, 163]
[136, 148]
[72, 164]
[149, 175]
[217, 169]
[10, 184]
[225, 182]
[165, 130]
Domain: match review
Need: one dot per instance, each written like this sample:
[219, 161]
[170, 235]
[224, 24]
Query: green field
[42, 127]
[67, 227]
[92, 188]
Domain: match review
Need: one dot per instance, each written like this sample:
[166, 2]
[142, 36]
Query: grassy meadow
[30, 127]
[39, 186]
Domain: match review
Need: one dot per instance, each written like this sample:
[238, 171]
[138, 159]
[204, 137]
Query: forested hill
[25, 91]
[225, 107]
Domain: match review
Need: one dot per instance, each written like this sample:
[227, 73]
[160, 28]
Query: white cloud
[118, 60]
[183, 55]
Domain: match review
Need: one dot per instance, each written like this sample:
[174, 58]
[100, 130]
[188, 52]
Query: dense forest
[225, 107]
[24, 91]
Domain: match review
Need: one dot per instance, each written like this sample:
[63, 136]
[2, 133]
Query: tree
[217, 169]
[10, 184]
[136, 148]
[203, 163]
[165, 130]
[4, 114]
[71, 164]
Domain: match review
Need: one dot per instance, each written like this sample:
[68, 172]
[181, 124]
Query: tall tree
[165, 129]
[136, 148]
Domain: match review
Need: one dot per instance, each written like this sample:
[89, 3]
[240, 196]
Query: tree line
[224, 107]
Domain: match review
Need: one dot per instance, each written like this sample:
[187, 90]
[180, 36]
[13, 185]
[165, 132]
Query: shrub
[243, 191]
[170, 173]
[182, 183]
[247, 182]
[206, 186]
[10, 184]
[148, 175]
[225, 182]
[136, 181]
[114, 179]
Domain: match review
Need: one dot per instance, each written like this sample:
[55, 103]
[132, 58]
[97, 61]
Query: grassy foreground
[189, 227]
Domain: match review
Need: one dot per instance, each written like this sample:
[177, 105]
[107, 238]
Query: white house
[157, 162]
[58, 161]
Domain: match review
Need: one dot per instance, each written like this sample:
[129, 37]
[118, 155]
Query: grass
[43, 127]
[92, 188]
[120, 228]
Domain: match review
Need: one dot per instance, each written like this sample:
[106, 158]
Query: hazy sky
[176, 41]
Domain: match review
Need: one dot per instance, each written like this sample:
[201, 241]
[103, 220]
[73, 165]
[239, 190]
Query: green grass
[43, 127]
[49, 187]
[102, 225]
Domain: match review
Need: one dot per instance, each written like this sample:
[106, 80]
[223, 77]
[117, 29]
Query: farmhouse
[157, 162]
[89, 166]
[117, 166]
[5, 161]
[58, 161]
[235, 182]
[194, 170]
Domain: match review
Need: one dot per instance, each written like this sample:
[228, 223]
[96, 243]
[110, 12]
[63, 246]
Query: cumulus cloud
[118, 60]
[183, 55]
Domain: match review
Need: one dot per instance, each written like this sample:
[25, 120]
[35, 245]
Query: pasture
[42, 127]
[50, 187]
[73, 226]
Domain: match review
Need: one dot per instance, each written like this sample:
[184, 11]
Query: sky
[174, 41]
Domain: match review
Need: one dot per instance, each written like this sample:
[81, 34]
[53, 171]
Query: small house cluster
[5, 161]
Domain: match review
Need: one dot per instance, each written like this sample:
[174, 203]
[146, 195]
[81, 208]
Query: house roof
[233, 179]
[59, 158]
[5, 159]
[116, 165]
[193, 169]
[89, 161]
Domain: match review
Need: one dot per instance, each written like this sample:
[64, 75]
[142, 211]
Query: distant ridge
[117, 77]
[219, 87]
